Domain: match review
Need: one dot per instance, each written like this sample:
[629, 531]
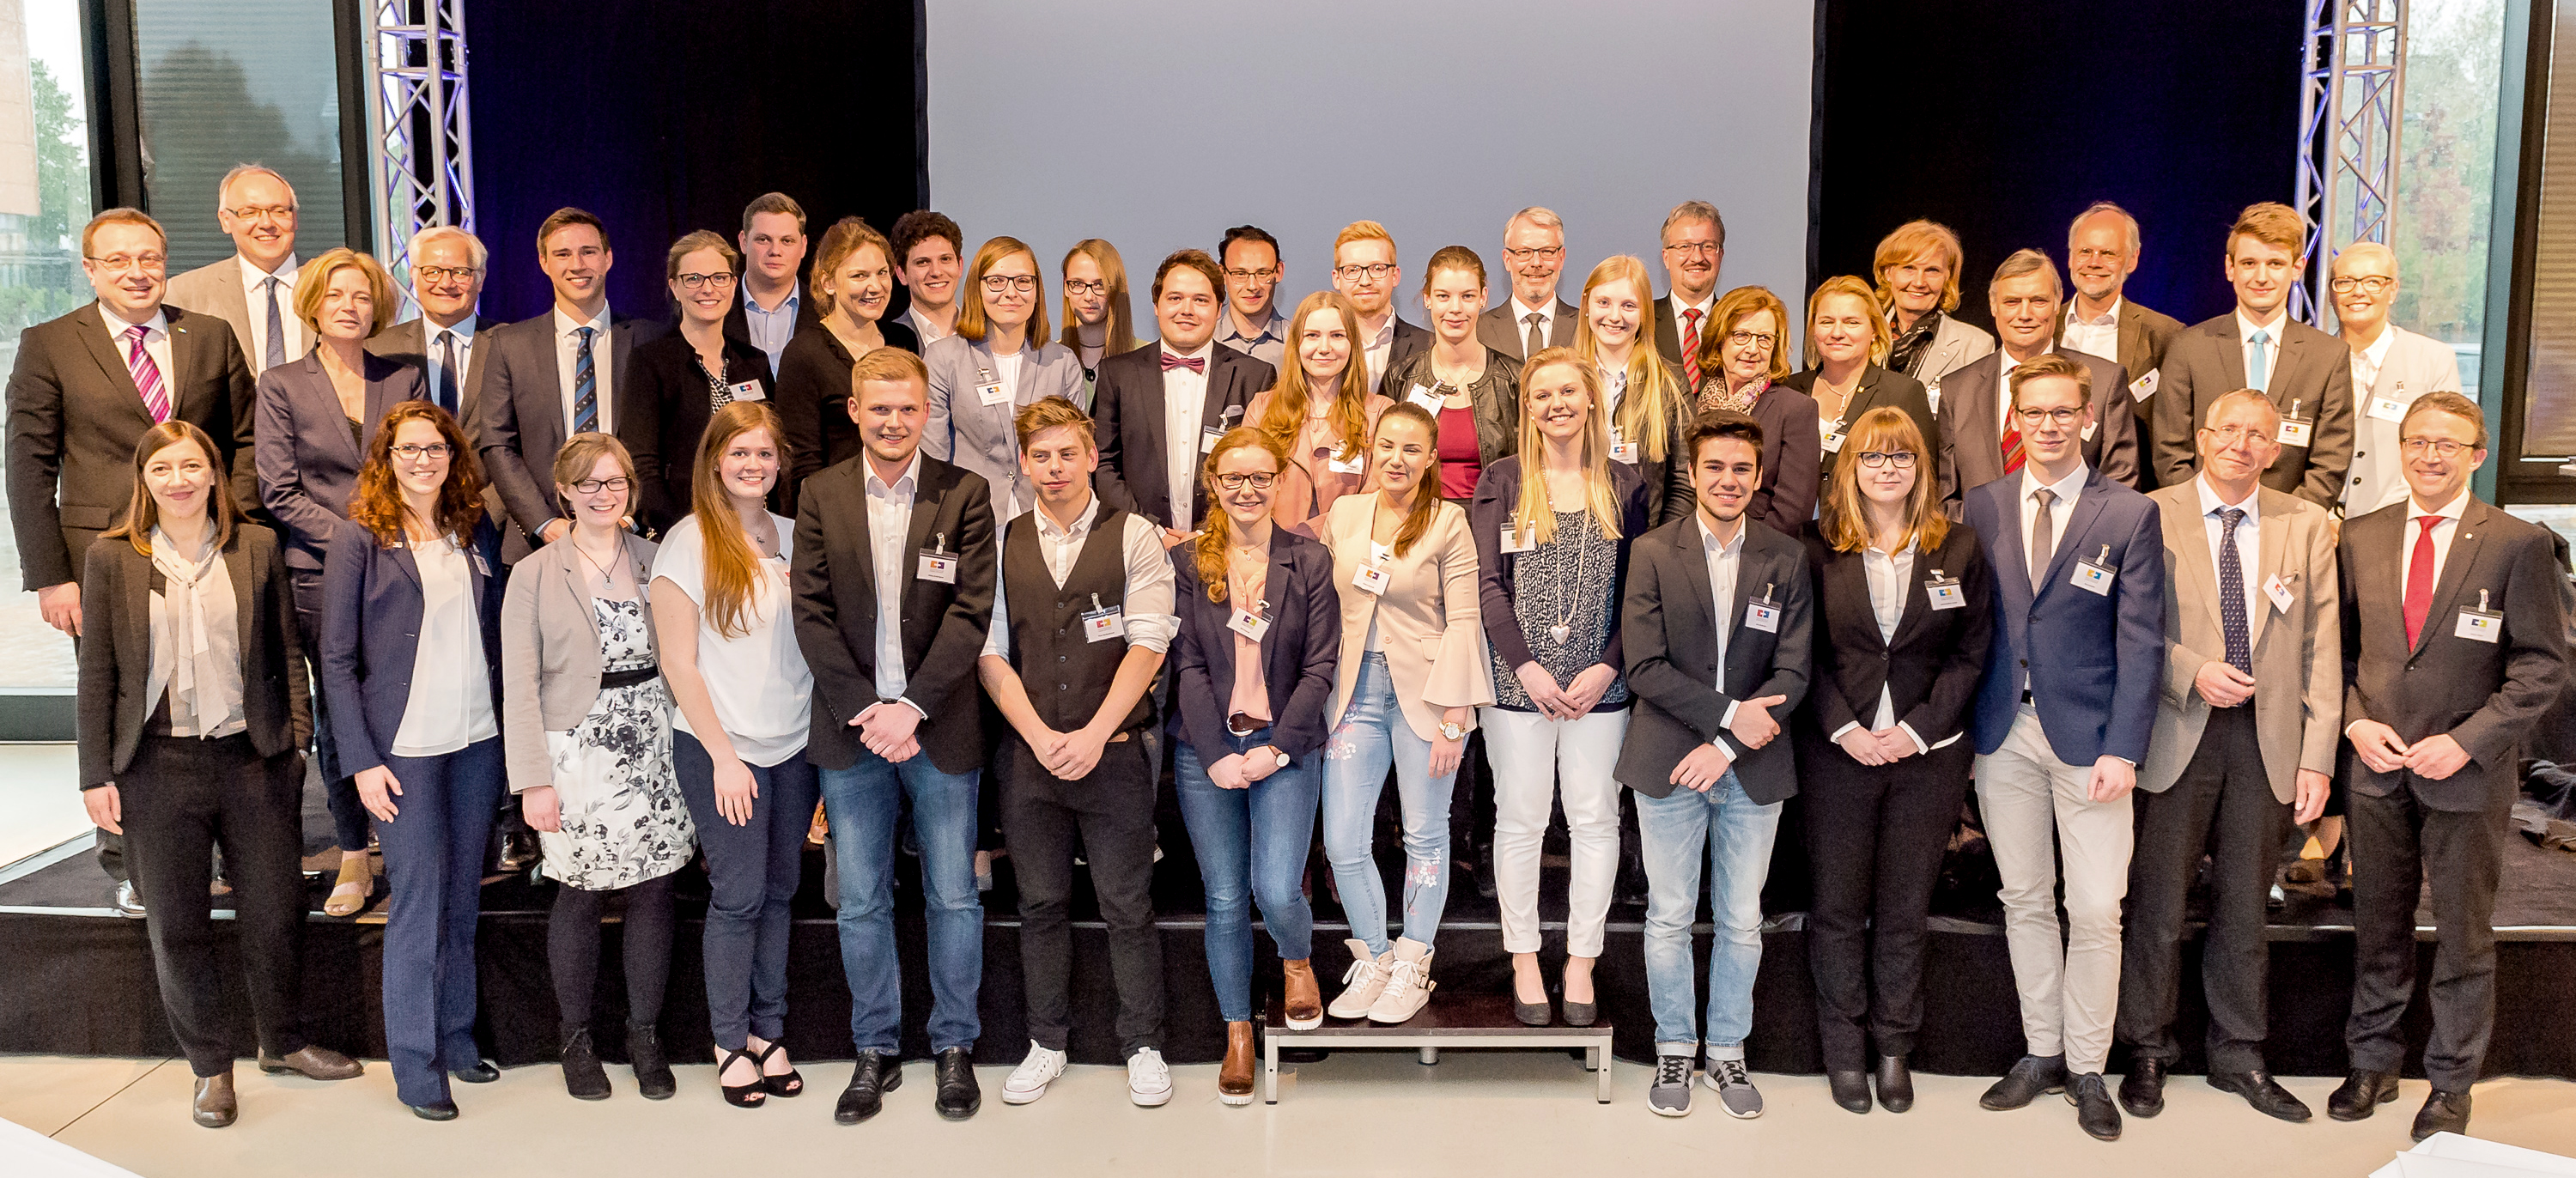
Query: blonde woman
[1917, 267]
[1097, 321]
[1845, 334]
[1321, 412]
[1645, 405]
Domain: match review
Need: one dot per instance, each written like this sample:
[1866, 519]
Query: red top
[1460, 464]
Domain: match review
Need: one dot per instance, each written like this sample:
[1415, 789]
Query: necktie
[2231, 592]
[1197, 364]
[2257, 361]
[147, 376]
[2043, 539]
[447, 371]
[2419, 579]
[1690, 347]
[585, 385]
[276, 329]
[1537, 338]
[2012, 443]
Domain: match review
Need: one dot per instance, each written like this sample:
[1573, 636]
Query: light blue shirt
[770, 330]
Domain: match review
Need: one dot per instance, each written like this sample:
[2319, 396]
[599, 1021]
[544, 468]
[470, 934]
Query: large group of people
[2140, 591]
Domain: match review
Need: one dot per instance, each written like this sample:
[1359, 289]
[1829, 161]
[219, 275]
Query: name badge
[2480, 623]
[2294, 432]
[2143, 387]
[2388, 409]
[2279, 591]
[1357, 465]
[1516, 537]
[1621, 449]
[1762, 615]
[989, 391]
[1427, 397]
[1101, 623]
[1250, 623]
[748, 390]
[1833, 439]
[476, 555]
[1208, 439]
[1371, 577]
[1945, 592]
[2095, 576]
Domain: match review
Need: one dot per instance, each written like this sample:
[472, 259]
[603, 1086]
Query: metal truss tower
[2352, 72]
[420, 149]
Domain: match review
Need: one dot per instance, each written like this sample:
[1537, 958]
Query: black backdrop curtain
[664, 116]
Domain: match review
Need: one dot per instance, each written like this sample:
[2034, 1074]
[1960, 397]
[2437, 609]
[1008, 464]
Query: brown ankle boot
[1305, 1000]
[1234, 1079]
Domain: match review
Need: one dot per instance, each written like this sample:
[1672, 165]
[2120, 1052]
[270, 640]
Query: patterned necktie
[2231, 593]
[1537, 338]
[447, 371]
[2043, 539]
[1690, 348]
[1197, 364]
[2013, 455]
[276, 328]
[147, 376]
[585, 385]
[2419, 579]
[2257, 360]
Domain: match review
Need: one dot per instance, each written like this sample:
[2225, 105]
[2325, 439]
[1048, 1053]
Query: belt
[629, 677]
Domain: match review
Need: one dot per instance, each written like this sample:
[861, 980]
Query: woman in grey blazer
[586, 727]
[315, 418]
[1917, 267]
[999, 360]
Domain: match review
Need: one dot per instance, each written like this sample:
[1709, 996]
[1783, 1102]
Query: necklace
[607, 579]
[1564, 627]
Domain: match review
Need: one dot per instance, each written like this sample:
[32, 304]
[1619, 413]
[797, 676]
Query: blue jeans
[1251, 845]
[752, 872]
[1373, 734]
[865, 801]
[1671, 830]
[434, 861]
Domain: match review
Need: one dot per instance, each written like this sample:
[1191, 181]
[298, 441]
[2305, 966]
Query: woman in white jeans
[1552, 526]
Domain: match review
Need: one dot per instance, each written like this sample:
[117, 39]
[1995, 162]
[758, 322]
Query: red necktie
[1690, 349]
[2012, 443]
[2419, 579]
[1197, 364]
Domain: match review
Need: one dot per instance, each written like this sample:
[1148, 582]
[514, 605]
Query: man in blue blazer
[2063, 714]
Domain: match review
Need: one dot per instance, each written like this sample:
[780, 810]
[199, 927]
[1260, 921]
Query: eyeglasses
[440, 274]
[2229, 435]
[1741, 338]
[2098, 255]
[595, 486]
[997, 283]
[1695, 249]
[414, 452]
[1543, 253]
[147, 263]
[1235, 482]
[1372, 271]
[697, 281]
[1873, 459]
[2057, 416]
[1094, 286]
[2370, 285]
[277, 213]
[1252, 277]
[2442, 448]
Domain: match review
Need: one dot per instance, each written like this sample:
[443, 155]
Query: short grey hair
[422, 239]
[1695, 210]
[2209, 420]
[2030, 261]
[2101, 208]
[2363, 250]
[1539, 215]
[224, 187]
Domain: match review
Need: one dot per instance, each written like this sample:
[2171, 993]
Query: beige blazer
[2298, 653]
[550, 653]
[1427, 620]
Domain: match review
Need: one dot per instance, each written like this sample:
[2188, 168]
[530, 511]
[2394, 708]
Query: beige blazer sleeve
[2321, 603]
[523, 729]
[1428, 622]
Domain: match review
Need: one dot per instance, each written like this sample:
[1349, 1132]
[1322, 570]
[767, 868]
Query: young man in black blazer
[894, 594]
[1160, 409]
[1364, 268]
[1716, 624]
[2454, 642]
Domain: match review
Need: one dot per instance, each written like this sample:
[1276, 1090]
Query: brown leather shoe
[313, 1063]
[1305, 999]
[1234, 1080]
[213, 1106]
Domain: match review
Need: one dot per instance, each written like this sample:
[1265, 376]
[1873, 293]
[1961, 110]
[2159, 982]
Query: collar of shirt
[1708, 539]
[1383, 337]
[1048, 530]
[905, 484]
[1522, 311]
[155, 329]
[786, 306]
[2211, 504]
[1273, 329]
[252, 277]
[2245, 329]
[565, 325]
[2066, 488]
[2377, 352]
[1701, 306]
[464, 330]
[2453, 510]
[2110, 318]
[1205, 351]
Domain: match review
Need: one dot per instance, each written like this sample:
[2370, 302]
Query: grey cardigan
[550, 653]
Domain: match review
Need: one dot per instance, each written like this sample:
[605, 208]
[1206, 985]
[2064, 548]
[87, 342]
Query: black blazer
[116, 651]
[833, 576]
[75, 416]
[516, 418]
[371, 610]
[1667, 624]
[737, 324]
[1299, 653]
[1127, 417]
[307, 463]
[662, 411]
[2484, 694]
[1791, 475]
[813, 400]
[1929, 670]
[1878, 387]
[1497, 494]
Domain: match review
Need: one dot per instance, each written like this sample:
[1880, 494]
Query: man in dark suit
[1717, 618]
[894, 595]
[447, 268]
[773, 307]
[85, 388]
[2306, 372]
[1365, 269]
[1533, 317]
[2101, 252]
[2063, 716]
[2455, 640]
[545, 379]
[1160, 409]
[1980, 441]
[1694, 245]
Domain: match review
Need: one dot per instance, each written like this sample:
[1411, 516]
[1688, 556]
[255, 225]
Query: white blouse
[762, 691]
[451, 687]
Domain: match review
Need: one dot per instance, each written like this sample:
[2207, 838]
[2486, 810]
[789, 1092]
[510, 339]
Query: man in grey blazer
[1694, 251]
[1533, 318]
[2102, 249]
[2307, 373]
[254, 290]
[1980, 440]
[2391, 366]
[2245, 733]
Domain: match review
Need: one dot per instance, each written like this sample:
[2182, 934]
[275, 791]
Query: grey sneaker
[1735, 1091]
[1670, 1097]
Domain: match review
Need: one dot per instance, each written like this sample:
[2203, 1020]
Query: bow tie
[1197, 364]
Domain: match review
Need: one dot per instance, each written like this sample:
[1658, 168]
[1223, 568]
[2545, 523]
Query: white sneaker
[1029, 1080]
[1408, 983]
[1149, 1082]
[1365, 980]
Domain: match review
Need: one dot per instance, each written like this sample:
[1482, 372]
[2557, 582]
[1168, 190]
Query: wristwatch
[1452, 730]
[1282, 755]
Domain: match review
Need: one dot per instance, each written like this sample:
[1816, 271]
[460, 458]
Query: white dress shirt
[2449, 514]
[2059, 512]
[568, 364]
[1379, 344]
[2094, 337]
[1184, 405]
[1681, 317]
[298, 340]
[761, 689]
[464, 333]
[1147, 610]
[889, 528]
[1890, 578]
[2271, 348]
[1723, 561]
[922, 327]
[2366, 362]
[450, 703]
[156, 344]
[2248, 539]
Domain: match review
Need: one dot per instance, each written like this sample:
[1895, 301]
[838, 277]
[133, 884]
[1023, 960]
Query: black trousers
[1875, 834]
[572, 950]
[1108, 819]
[182, 797]
[2223, 805]
[2397, 842]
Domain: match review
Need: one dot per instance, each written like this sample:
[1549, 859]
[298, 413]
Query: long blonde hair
[1599, 499]
[1113, 270]
[1885, 429]
[1654, 395]
[732, 566]
[1286, 414]
[1216, 532]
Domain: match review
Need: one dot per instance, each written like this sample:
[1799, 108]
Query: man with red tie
[1694, 251]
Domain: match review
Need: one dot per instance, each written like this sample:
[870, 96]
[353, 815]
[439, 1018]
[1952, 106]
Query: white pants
[2068, 994]
[1531, 757]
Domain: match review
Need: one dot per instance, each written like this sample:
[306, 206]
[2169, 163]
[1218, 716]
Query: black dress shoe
[2094, 1109]
[2263, 1092]
[442, 1110]
[1895, 1084]
[584, 1079]
[875, 1075]
[481, 1073]
[213, 1105]
[2030, 1076]
[959, 1094]
[2443, 1112]
[312, 1063]
[2142, 1091]
[1851, 1088]
[653, 1079]
[2361, 1094]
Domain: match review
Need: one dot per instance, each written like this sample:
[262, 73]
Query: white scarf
[196, 642]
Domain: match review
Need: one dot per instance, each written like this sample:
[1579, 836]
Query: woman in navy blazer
[315, 417]
[411, 642]
[1250, 748]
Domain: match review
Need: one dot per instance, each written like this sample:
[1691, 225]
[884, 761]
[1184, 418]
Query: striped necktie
[147, 376]
[585, 384]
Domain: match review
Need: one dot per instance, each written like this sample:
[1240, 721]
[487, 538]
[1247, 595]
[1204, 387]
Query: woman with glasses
[1261, 628]
[1903, 615]
[411, 646]
[1845, 335]
[1643, 400]
[1097, 322]
[1746, 361]
[1321, 412]
[1918, 286]
[851, 285]
[1472, 390]
[681, 379]
[1000, 359]
[587, 728]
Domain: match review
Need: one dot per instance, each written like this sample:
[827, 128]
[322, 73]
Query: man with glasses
[253, 290]
[2391, 366]
[1979, 441]
[85, 388]
[447, 267]
[1533, 318]
[1694, 251]
[773, 307]
[1253, 323]
[2102, 247]
[1364, 268]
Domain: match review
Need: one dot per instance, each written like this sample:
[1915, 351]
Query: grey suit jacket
[2415, 365]
[216, 289]
[550, 663]
[1668, 630]
[2144, 335]
[1955, 345]
[2297, 652]
[516, 415]
[1497, 330]
[961, 429]
[1972, 442]
[2207, 362]
[307, 462]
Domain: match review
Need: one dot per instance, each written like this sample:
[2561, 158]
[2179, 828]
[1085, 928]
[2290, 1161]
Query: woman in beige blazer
[586, 724]
[1411, 674]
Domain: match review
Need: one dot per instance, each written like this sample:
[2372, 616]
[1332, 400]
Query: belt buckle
[1243, 724]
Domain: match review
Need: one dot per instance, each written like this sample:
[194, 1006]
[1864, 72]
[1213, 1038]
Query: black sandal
[751, 1095]
[786, 1084]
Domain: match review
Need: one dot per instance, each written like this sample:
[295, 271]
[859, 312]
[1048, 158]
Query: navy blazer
[2094, 662]
[1498, 491]
[1669, 623]
[1300, 653]
[308, 464]
[371, 609]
